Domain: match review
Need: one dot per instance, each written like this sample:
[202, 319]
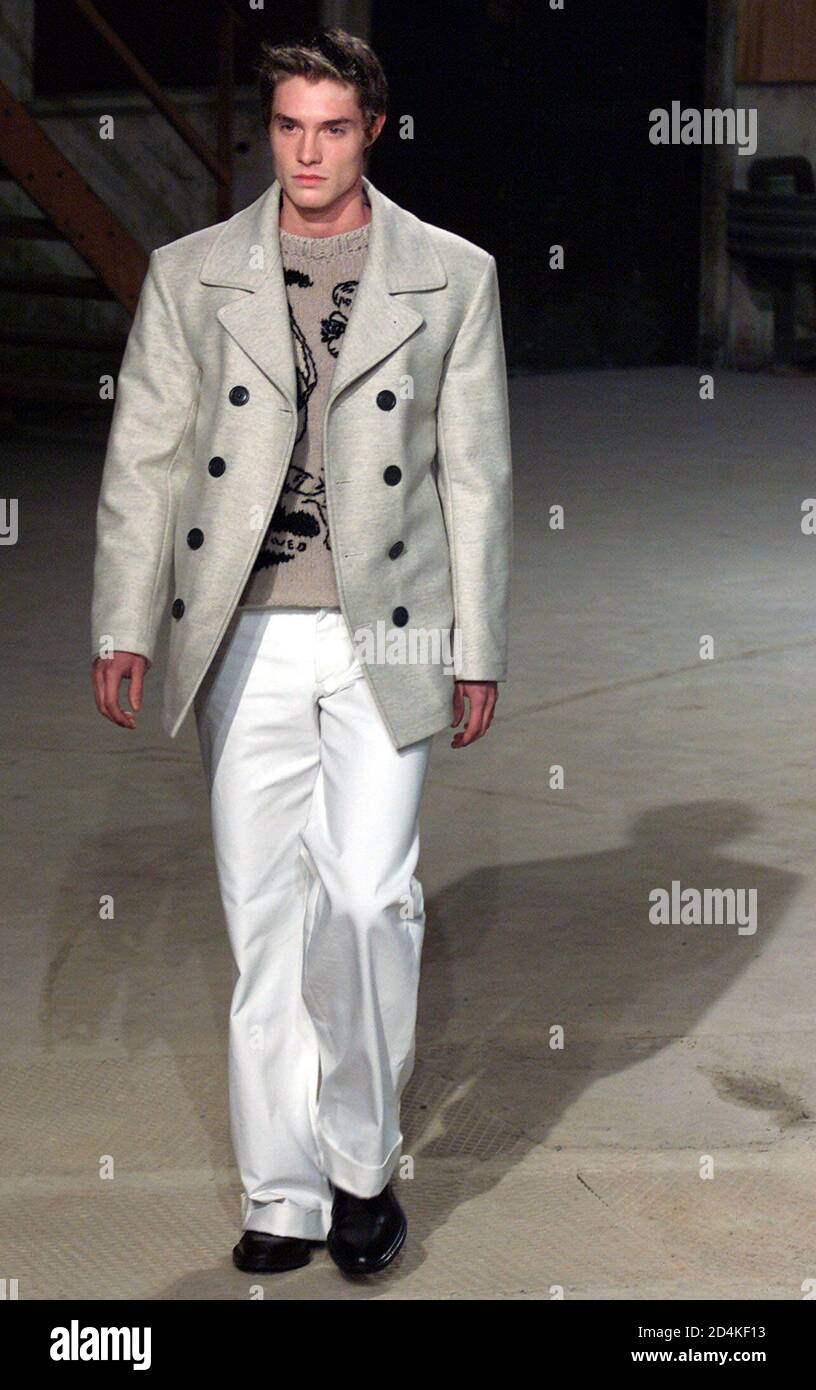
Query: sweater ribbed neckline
[321, 247]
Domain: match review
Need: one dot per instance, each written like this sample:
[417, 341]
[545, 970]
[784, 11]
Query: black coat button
[178, 607]
[239, 395]
[386, 400]
[392, 474]
[216, 467]
[400, 617]
[396, 549]
[195, 538]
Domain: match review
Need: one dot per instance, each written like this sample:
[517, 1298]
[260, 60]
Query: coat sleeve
[474, 479]
[156, 398]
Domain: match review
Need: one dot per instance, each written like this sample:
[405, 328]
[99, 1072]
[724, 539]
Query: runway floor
[665, 1145]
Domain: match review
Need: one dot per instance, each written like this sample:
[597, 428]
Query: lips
[309, 178]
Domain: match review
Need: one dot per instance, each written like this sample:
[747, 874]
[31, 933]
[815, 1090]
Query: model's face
[316, 130]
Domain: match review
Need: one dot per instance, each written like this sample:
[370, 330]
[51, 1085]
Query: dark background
[530, 129]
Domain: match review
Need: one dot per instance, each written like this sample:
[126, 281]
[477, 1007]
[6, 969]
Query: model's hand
[482, 696]
[106, 675]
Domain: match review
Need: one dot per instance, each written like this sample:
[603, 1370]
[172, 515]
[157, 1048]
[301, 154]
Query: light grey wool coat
[416, 441]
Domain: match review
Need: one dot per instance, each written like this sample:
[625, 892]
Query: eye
[337, 129]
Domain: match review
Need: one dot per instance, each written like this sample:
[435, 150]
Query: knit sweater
[294, 564]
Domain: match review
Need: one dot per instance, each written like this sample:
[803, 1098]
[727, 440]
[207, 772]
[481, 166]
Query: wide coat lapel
[246, 255]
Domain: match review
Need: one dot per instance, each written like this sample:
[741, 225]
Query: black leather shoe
[259, 1253]
[366, 1232]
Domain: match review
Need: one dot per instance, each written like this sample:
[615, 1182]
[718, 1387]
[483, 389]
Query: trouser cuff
[286, 1219]
[358, 1178]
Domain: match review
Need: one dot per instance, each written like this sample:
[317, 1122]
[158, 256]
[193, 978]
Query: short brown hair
[332, 53]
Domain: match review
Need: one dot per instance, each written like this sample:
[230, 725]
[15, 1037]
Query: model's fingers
[485, 715]
[482, 705]
[136, 687]
[111, 706]
[467, 735]
[478, 706]
[474, 723]
[96, 682]
[458, 705]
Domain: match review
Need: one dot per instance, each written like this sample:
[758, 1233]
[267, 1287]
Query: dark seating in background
[772, 230]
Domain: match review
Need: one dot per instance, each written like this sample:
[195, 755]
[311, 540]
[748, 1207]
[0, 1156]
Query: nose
[307, 154]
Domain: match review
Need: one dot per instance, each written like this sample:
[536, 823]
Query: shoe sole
[376, 1266]
[261, 1267]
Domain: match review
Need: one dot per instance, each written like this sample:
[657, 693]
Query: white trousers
[315, 819]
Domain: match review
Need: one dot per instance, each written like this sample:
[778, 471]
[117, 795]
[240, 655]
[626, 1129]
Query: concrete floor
[535, 1169]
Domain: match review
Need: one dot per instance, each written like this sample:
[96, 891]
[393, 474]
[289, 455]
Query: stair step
[29, 229]
[79, 393]
[62, 195]
[64, 286]
[87, 342]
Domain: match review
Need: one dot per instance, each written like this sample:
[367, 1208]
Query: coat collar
[246, 256]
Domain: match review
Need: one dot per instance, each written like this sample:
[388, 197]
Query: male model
[309, 469]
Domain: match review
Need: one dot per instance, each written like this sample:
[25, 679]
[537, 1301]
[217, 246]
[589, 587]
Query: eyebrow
[338, 120]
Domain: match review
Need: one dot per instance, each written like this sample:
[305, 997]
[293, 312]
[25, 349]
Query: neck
[350, 211]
